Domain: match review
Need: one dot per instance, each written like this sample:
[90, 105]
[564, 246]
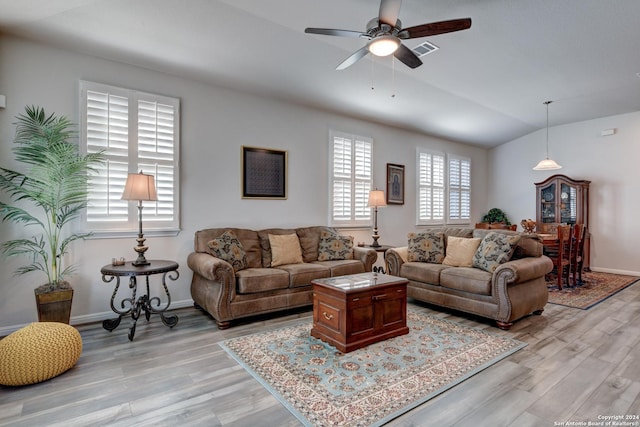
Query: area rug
[370, 386]
[596, 288]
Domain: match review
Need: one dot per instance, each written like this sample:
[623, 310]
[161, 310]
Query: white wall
[611, 163]
[216, 122]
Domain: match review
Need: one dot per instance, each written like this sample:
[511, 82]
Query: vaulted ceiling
[483, 86]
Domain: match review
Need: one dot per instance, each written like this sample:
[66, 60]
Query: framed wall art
[264, 173]
[395, 184]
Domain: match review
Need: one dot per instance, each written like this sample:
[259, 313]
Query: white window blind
[351, 177]
[137, 132]
[459, 189]
[431, 188]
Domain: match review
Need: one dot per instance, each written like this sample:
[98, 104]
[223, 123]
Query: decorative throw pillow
[285, 249]
[227, 247]
[495, 249]
[460, 251]
[426, 247]
[334, 246]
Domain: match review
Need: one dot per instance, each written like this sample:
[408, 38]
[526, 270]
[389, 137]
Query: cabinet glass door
[568, 204]
[548, 204]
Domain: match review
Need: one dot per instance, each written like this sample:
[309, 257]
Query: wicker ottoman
[38, 352]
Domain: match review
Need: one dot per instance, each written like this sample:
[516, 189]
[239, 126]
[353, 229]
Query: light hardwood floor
[578, 365]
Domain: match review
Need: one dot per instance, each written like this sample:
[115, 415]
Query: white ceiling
[484, 86]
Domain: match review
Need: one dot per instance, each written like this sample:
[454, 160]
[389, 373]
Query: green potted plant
[496, 215]
[50, 193]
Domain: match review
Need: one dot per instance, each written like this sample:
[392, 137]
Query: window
[437, 185]
[459, 189]
[431, 188]
[350, 162]
[137, 132]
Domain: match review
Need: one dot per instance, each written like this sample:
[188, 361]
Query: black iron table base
[144, 303]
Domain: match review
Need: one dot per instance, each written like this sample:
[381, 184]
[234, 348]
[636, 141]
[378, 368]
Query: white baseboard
[91, 318]
[613, 271]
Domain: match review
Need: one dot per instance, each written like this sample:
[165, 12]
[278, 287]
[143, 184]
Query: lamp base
[140, 249]
[375, 237]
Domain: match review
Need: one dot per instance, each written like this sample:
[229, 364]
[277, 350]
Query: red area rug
[597, 287]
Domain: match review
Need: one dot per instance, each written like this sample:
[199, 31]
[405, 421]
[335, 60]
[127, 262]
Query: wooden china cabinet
[563, 200]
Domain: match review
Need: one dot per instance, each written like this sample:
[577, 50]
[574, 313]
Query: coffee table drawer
[328, 316]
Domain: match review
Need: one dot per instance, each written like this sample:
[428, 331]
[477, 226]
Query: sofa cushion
[285, 249]
[227, 247]
[495, 249]
[265, 246]
[427, 246]
[460, 251]
[343, 267]
[310, 239]
[422, 272]
[254, 280]
[333, 246]
[248, 238]
[303, 274]
[466, 279]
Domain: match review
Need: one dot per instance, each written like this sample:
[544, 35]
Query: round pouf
[38, 352]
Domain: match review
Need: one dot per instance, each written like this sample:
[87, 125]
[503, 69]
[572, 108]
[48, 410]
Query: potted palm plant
[48, 194]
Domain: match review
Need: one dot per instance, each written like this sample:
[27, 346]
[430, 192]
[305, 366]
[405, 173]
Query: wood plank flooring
[578, 365]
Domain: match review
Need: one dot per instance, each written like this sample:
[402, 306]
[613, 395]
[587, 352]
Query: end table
[150, 305]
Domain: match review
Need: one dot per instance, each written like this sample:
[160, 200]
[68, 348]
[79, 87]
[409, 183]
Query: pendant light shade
[547, 164]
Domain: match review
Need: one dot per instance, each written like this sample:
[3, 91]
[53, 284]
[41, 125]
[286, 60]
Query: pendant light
[547, 164]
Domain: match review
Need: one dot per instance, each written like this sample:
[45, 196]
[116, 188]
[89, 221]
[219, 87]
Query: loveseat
[239, 272]
[504, 286]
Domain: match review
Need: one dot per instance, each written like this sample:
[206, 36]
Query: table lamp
[376, 200]
[140, 187]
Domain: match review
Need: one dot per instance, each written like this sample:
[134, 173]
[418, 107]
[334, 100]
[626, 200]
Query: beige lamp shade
[376, 199]
[140, 186]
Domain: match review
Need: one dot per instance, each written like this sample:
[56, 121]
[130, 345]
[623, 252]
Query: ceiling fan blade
[355, 57]
[389, 11]
[334, 32]
[435, 28]
[407, 57]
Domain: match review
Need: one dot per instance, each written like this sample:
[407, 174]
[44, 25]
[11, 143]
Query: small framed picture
[395, 184]
[264, 173]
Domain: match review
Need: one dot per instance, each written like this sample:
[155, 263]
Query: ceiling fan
[385, 34]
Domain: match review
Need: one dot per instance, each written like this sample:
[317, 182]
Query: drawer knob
[327, 316]
[378, 297]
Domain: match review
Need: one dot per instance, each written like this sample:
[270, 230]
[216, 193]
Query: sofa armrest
[367, 256]
[394, 258]
[523, 269]
[213, 285]
[513, 277]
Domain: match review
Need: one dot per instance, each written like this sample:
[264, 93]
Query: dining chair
[576, 255]
[559, 253]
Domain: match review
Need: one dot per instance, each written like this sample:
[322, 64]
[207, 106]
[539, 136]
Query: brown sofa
[228, 295]
[515, 289]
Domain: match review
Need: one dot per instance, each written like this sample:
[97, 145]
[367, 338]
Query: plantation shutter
[137, 132]
[351, 176]
[431, 191]
[459, 189]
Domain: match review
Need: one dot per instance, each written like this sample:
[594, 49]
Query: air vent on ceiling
[425, 49]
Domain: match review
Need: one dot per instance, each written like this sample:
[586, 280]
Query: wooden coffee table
[350, 312]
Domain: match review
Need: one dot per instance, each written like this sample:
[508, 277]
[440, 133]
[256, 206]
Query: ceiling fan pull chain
[372, 60]
[393, 77]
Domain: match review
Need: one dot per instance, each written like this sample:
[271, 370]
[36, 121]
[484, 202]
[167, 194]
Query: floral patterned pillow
[427, 246]
[495, 249]
[334, 246]
[228, 248]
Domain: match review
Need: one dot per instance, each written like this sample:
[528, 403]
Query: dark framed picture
[264, 173]
[395, 184]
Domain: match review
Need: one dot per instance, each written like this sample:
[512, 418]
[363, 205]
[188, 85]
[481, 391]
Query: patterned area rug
[596, 288]
[370, 386]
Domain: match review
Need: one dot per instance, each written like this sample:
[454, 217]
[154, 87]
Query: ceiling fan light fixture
[384, 45]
